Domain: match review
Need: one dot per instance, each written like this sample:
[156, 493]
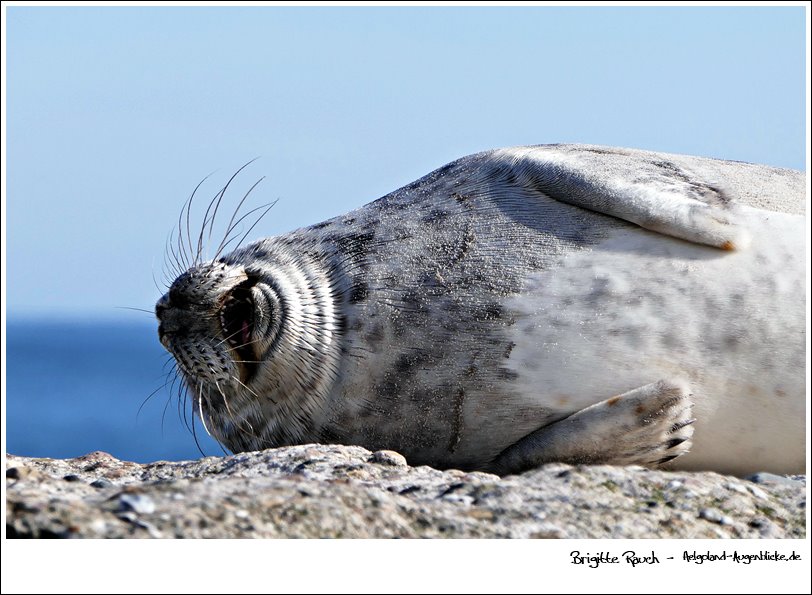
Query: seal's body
[573, 303]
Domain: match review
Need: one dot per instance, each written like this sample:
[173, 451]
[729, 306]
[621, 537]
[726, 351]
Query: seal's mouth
[237, 321]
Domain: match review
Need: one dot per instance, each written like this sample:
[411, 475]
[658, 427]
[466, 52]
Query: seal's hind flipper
[631, 185]
[648, 426]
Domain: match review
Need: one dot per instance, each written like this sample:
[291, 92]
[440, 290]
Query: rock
[346, 491]
[14, 473]
[137, 503]
[388, 457]
[714, 516]
[772, 478]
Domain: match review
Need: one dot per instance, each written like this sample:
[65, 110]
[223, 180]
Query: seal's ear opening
[237, 318]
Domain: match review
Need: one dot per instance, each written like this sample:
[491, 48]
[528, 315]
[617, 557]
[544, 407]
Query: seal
[569, 303]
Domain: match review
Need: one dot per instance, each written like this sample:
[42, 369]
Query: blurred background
[115, 114]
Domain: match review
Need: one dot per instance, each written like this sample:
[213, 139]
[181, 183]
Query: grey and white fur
[519, 306]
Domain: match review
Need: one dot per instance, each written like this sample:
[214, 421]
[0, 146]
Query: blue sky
[115, 114]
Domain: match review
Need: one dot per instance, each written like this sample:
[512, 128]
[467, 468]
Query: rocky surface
[340, 491]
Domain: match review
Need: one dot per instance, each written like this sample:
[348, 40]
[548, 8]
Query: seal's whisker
[225, 243]
[222, 192]
[188, 225]
[167, 261]
[199, 251]
[247, 343]
[170, 360]
[231, 414]
[200, 410]
[179, 268]
[209, 402]
[224, 339]
[231, 223]
[182, 405]
[251, 391]
[192, 427]
[181, 249]
[243, 385]
[152, 273]
[152, 394]
[170, 263]
[166, 407]
[150, 312]
[250, 229]
[194, 435]
[234, 334]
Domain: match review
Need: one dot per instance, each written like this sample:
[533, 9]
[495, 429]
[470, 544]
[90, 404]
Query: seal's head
[252, 336]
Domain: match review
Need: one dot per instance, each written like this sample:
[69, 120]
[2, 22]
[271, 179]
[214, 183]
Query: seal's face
[235, 329]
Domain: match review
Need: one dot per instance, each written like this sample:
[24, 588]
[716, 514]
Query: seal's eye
[237, 320]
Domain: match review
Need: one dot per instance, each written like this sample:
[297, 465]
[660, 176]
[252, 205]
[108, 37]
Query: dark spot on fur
[603, 151]
[321, 225]
[505, 374]
[359, 292]
[673, 170]
[398, 326]
[456, 421]
[435, 216]
[355, 244]
[488, 312]
[328, 436]
[409, 363]
[375, 335]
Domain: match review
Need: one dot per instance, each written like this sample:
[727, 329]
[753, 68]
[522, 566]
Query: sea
[77, 386]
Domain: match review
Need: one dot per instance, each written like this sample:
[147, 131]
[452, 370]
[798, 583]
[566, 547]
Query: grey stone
[137, 503]
[764, 477]
[347, 491]
[388, 457]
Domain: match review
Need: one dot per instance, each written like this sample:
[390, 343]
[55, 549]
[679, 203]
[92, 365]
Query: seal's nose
[162, 306]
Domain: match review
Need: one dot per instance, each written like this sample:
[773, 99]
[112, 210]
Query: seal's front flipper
[648, 426]
[641, 188]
